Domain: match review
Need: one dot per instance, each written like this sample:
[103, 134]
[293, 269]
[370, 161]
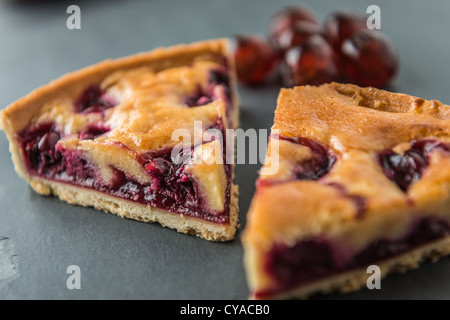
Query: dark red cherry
[318, 165]
[48, 141]
[369, 59]
[157, 166]
[315, 167]
[38, 146]
[288, 17]
[93, 131]
[407, 168]
[339, 26]
[93, 99]
[118, 178]
[295, 36]
[255, 58]
[313, 63]
[198, 98]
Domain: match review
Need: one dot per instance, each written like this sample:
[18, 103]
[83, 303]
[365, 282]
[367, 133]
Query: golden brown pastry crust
[344, 116]
[21, 113]
[149, 88]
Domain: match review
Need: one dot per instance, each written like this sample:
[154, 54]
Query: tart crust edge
[127, 209]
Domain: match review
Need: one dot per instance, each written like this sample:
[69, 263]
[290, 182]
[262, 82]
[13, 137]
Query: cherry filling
[407, 168]
[199, 98]
[93, 99]
[170, 180]
[202, 96]
[93, 131]
[171, 188]
[305, 260]
[38, 147]
[219, 76]
[318, 165]
[313, 259]
[422, 231]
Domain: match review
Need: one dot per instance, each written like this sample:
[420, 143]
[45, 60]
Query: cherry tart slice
[106, 137]
[353, 177]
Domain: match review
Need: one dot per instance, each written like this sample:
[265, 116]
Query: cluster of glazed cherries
[304, 52]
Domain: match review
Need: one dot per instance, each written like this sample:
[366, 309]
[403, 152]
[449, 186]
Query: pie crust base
[126, 209]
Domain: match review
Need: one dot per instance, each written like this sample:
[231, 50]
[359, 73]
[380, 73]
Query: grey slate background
[123, 259]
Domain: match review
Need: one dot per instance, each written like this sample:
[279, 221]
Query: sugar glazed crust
[149, 90]
[355, 124]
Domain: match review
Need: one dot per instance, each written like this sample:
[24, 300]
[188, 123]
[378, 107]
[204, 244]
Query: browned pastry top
[345, 116]
[149, 89]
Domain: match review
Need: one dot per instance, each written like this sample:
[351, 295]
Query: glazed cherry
[369, 59]
[288, 17]
[93, 131]
[339, 26]
[315, 167]
[93, 99]
[295, 36]
[318, 165]
[38, 146]
[199, 98]
[313, 63]
[48, 141]
[256, 59]
[407, 168]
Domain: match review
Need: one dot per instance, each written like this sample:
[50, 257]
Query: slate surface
[123, 259]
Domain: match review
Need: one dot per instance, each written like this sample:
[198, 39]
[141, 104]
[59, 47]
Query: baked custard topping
[169, 185]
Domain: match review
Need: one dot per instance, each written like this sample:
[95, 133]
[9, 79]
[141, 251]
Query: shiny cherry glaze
[93, 131]
[295, 36]
[318, 165]
[255, 58]
[206, 94]
[93, 99]
[199, 98]
[407, 168]
[341, 25]
[321, 161]
[288, 17]
[369, 59]
[38, 148]
[314, 63]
